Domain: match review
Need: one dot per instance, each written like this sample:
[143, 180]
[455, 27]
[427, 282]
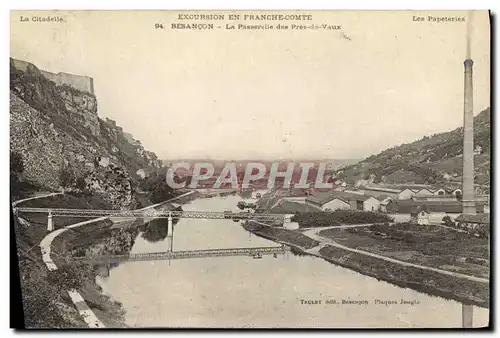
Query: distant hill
[435, 159]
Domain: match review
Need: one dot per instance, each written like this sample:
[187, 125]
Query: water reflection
[157, 230]
[301, 291]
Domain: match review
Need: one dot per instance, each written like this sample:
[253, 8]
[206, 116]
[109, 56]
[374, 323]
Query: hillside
[430, 160]
[63, 143]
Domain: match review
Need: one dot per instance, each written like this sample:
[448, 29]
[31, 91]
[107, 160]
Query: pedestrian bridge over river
[153, 213]
[150, 214]
[168, 255]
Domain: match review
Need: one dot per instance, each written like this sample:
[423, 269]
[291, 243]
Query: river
[268, 292]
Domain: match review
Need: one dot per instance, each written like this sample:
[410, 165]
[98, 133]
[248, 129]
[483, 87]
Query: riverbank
[46, 278]
[108, 237]
[426, 245]
[44, 285]
[429, 282]
[105, 235]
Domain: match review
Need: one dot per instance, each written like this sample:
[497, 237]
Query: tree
[448, 222]
[16, 163]
[156, 230]
[16, 169]
[80, 183]
[161, 192]
[66, 177]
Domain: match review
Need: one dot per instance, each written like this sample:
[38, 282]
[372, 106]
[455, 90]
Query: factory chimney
[468, 201]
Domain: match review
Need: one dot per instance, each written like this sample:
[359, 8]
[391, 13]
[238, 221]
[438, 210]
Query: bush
[448, 222]
[156, 230]
[161, 192]
[39, 301]
[66, 177]
[16, 169]
[16, 163]
[80, 183]
[335, 218]
[68, 277]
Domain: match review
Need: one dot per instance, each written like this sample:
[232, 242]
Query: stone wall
[56, 130]
[78, 82]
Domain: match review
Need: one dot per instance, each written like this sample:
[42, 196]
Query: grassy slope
[45, 300]
[426, 160]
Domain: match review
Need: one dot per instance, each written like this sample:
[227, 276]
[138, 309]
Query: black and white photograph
[251, 169]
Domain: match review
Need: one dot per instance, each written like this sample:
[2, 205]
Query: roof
[423, 189]
[413, 191]
[321, 198]
[389, 190]
[380, 195]
[479, 218]
[410, 186]
[447, 208]
[415, 206]
[288, 207]
[385, 199]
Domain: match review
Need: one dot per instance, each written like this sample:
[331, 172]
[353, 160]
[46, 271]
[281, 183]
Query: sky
[382, 80]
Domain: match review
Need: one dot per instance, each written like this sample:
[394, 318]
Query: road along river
[286, 291]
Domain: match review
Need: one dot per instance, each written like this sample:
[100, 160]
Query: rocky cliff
[63, 142]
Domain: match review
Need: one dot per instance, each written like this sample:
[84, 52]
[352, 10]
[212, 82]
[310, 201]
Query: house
[405, 194]
[328, 200]
[433, 211]
[337, 204]
[384, 201]
[472, 222]
[288, 224]
[371, 204]
[399, 210]
[420, 217]
[370, 190]
[435, 198]
[341, 200]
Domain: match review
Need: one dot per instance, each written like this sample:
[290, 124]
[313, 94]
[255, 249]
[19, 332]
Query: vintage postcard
[251, 169]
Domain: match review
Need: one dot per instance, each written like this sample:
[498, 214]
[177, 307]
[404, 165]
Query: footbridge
[169, 255]
[154, 213]
[150, 213]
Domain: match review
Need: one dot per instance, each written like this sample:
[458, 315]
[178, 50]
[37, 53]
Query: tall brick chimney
[468, 201]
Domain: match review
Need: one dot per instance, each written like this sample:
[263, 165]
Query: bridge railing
[156, 214]
[187, 253]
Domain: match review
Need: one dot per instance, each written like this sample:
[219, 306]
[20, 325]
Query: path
[42, 195]
[451, 228]
[345, 226]
[83, 309]
[313, 234]
[45, 246]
